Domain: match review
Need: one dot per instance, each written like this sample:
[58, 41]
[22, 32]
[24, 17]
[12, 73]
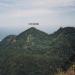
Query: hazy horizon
[15, 15]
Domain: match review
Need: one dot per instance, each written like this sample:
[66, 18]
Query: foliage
[34, 52]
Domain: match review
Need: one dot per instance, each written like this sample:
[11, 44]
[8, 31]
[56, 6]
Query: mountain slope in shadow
[34, 52]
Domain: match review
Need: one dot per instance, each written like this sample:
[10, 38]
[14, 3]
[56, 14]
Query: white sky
[51, 14]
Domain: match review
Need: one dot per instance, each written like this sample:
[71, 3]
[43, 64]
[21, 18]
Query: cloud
[51, 14]
[52, 3]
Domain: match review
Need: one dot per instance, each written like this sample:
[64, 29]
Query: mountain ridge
[34, 52]
[61, 29]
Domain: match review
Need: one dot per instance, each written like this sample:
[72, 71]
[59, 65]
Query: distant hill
[34, 52]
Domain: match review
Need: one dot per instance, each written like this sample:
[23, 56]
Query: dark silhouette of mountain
[34, 37]
[34, 52]
[31, 38]
[35, 32]
[68, 33]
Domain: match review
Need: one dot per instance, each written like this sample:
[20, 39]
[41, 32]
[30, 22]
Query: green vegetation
[34, 52]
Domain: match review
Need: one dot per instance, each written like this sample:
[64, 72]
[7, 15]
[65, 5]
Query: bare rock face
[11, 39]
[71, 70]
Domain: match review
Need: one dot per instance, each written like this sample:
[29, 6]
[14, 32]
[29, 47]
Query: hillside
[34, 52]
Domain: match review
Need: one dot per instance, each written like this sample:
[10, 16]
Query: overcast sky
[15, 15]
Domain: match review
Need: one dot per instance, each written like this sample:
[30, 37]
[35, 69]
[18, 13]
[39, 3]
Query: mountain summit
[33, 35]
[33, 31]
[40, 38]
